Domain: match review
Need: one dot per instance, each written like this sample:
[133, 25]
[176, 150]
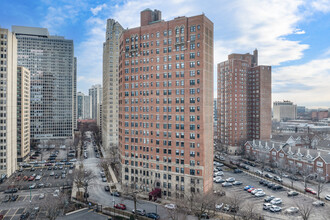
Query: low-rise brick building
[288, 156]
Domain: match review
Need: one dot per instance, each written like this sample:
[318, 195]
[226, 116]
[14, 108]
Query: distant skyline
[291, 35]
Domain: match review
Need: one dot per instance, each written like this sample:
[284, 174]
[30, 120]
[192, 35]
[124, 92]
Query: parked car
[226, 184]
[292, 193]
[219, 173]
[140, 211]
[237, 171]
[318, 203]
[266, 206]
[260, 194]
[250, 190]
[278, 179]
[104, 179]
[236, 183]
[291, 210]
[25, 215]
[258, 172]
[277, 187]
[268, 176]
[276, 201]
[33, 186]
[115, 193]
[269, 198]
[170, 206]
[218, 206]
[247, 187]
[275, 208]
[153, 216]
[107, 188]
[271, 185]
[13, 198]
[120, 206]
[327, 197]
[230, 179]
[253, 192]
[310, 190]
[13, 190]
[42, 196]
[52, 173]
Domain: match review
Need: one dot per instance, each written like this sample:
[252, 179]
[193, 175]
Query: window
[193, 28]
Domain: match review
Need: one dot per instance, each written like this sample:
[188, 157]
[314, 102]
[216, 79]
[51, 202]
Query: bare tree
[200, 204]
[320, 184]
[305, 210]
[82, 177]
[96, 133]
[293, 169]
[54, 205]
[133, 190]
[262, 158]
[282, 166]
[306, 174]
[234, 201]
[248, 212]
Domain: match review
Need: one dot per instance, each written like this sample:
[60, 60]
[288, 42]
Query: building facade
[23, 114]
[166, 104]
[75, 108]
[283, 111]
[96, 94]
[50, 60]
[84, 107]
[99, 117]
[244, 101]
[8, 102]
[215, 117]
[320, 114]
[110, 111]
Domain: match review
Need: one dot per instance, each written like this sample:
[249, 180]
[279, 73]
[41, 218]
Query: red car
[310, 190]
[120, 206]
[25, 178]
[31, 178]
[250, 190]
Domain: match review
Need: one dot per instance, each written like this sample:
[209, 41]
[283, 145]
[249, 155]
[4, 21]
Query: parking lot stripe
[14, 214]
[7, 212]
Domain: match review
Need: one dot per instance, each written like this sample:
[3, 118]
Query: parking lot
[50, 176]
[14, 209]
[248, 198]
[36, 181]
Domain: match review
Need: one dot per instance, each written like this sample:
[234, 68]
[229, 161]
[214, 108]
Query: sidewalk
[111, 172]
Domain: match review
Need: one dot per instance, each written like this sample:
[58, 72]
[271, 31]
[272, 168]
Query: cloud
[305, 84]
[298, 31]
[98, 8]
[61, 13]
[321, 5]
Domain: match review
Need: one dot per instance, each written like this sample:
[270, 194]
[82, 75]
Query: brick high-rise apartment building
[244, 101]
[166, 104]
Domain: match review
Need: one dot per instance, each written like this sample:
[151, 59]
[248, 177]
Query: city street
[99, 195]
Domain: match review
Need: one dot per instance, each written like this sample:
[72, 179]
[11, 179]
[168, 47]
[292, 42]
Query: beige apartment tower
[244, 101]
[110, 106]
[166, 104]
[23, 114]
[284, 110]
[8, 102]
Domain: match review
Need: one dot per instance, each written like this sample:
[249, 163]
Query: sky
[293, 36]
